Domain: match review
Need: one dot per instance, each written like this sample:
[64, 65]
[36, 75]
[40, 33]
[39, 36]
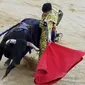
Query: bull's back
[36, 31]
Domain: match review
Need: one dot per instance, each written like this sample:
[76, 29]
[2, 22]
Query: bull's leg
[7, 62]
[9, 68]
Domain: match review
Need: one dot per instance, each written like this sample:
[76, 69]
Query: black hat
[46, 7]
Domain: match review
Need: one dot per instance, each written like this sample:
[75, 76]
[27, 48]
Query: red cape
[55, 62]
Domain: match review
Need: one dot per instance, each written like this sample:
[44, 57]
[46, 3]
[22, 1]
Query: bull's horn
[32, 45]
[10, 67]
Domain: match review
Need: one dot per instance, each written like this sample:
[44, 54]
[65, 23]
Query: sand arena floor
[72, 26]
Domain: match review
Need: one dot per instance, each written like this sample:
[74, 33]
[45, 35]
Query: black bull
[17, 52]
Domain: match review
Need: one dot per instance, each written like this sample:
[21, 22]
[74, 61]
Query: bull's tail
[10, 67]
